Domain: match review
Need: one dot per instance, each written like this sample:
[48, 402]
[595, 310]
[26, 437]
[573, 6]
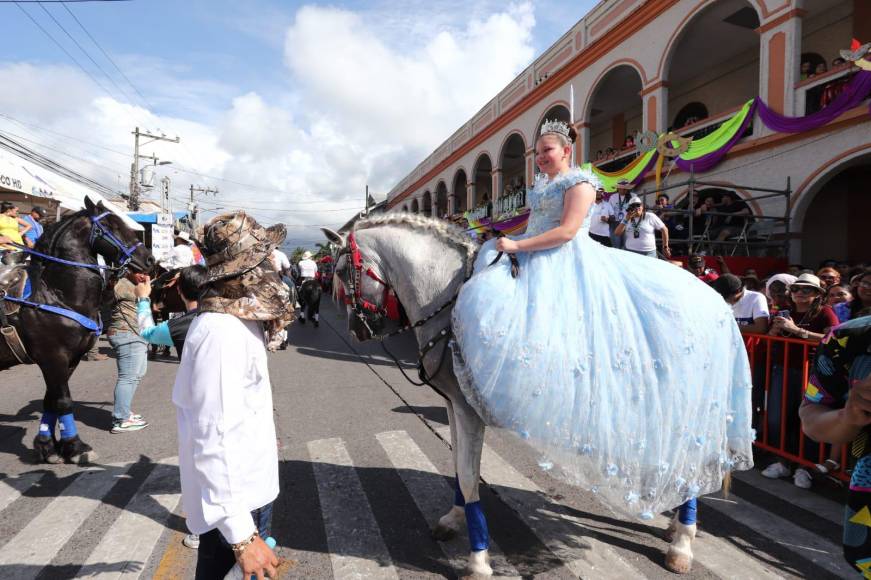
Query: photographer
[640, 227]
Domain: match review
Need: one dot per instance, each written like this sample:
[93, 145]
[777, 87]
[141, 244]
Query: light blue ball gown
[626, 372]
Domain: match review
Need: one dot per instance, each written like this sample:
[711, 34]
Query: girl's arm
[27, 227]
[578, 200]
[153, 334]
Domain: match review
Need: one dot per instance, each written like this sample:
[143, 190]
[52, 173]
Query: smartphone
[782, 314]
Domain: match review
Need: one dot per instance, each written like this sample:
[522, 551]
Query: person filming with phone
[640, 227]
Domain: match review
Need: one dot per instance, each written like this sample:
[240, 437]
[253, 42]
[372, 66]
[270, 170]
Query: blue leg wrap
[687, 512]
[479, 535]
[46, 424]
[459, 500]
[67, 426]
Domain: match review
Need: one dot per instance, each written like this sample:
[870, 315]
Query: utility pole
[133, 201]
[366, 202]
[192, 206]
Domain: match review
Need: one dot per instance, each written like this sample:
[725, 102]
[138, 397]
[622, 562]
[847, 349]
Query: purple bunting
[853, 94]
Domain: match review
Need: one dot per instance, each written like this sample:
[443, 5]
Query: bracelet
[240, 547]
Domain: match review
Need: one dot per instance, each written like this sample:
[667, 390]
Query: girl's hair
[565, 141]
[6, 206]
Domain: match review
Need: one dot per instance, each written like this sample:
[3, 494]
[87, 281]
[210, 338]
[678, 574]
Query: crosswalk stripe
[356, 547]
[11, 488]
[433, 496]
[40, 540]
[796, 539]
[812, 502]
[580, 550]
[127, 545]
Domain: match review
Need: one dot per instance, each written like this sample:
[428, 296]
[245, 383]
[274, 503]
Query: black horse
[60, 320]
[310, 301]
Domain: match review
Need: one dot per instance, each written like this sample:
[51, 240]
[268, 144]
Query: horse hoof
[678, 562]
[442, 533]
[84, 458]
[46, 450]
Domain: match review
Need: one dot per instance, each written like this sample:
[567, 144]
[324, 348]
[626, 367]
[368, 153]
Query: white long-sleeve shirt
[307, 268]
[228, 456]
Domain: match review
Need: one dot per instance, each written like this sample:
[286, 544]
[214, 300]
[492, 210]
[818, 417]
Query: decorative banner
[508, 226]
[852, 96]
[705, 153]
[633, 173]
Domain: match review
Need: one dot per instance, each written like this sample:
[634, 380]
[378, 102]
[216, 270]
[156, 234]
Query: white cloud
[365, 108]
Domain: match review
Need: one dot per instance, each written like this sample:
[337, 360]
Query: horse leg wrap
[687, 512]
[46, 424]
[459, 500]
[316, 317]
[479, 535]
[67, 424]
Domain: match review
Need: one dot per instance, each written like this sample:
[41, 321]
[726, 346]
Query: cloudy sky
[289, 109]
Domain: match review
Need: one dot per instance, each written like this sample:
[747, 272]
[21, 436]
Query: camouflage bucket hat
[235, 243]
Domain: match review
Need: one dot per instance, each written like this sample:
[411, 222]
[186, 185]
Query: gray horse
[425, 262]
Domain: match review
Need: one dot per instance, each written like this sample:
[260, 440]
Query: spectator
[308, 268]
[843, 269]
[696, 265]
[861, 285]
[182, 255]
[12, 227]
[640, 227]
[777, 291]
[280, 262]
[829, 276]
[173, 331]
[600, 155]
[34, 219]
[808, 318]
[836, 409]
[600, 218]
[838, 294]
[795, 269]
[228, 457]
[619, 202]
[749, 308]
[701, 221]
[732, 225]
[806, 70]
[131, 353]
[838, 62]
[821, 69]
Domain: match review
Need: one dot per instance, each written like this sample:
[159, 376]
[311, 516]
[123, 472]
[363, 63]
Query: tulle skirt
[627, 373]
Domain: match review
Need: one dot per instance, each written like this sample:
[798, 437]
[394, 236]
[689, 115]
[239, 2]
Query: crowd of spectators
[801, 304]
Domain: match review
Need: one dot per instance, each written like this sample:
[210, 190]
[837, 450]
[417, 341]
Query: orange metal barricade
[788, 357]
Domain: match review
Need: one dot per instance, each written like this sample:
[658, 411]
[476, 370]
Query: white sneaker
[192, 541]
[802, 478]
[776, 470]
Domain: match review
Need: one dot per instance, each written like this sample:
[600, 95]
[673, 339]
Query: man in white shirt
[600, 218]
[619, 202]
[280, 261]
[308, 268]
[228, 456]
[181, 256]
[640, 227]
[749, 308]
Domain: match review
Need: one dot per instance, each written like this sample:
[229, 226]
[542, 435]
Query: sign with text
[161, 240]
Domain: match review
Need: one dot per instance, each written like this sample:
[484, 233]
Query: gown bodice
[547, 196]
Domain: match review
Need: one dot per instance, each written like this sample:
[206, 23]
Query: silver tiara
[555, 126]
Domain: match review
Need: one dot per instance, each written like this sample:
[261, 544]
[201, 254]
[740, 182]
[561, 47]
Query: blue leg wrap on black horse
[479, 535]
[67, 424]
[47, 423]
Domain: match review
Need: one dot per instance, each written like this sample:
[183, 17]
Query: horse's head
[113, 240]
[362, 289]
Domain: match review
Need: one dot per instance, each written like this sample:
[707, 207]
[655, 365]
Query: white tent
[32, 179]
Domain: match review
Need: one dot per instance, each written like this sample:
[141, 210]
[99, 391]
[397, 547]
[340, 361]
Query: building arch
[482, 174]
[459, 190]
[512, 163]
[627, 62]
[415, 206]
[614, 113]
[426, 204]
[441, 199]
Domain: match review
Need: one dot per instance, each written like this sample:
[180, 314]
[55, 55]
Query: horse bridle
[99, 231]
[369, 313]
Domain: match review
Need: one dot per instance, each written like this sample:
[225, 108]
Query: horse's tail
[727, 484]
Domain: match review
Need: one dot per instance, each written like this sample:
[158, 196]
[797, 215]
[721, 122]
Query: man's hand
[143, 289]
[666, 251]
[257, 559]
[857, 411]
[506, 245]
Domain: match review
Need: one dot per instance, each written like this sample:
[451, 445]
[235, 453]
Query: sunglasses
[803, 290]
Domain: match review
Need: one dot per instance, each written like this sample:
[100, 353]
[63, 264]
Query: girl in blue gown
[626, 372]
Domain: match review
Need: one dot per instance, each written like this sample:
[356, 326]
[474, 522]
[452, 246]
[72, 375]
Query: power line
[106, 54]
[85, 52]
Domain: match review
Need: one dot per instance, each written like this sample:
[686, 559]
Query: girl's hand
[143, 289]
[789, 326]
[507, 245]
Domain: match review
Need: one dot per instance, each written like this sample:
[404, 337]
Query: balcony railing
[817, 91]
[710, 124]
[618, 161]
[511, 201]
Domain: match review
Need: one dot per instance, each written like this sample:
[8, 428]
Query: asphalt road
[365, 467]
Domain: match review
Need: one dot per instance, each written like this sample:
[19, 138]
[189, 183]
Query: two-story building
[686, 66]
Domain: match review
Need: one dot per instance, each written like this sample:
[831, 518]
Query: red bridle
[356, 300]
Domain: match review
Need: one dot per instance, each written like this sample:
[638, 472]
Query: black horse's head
[117, 243]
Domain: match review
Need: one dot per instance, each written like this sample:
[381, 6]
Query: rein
[367, 311]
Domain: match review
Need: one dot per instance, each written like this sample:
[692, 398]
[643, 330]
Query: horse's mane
[442, 229]
[52, 232]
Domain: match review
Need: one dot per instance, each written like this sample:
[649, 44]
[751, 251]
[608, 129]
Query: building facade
[686, 66]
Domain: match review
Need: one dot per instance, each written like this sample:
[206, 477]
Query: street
[365, 471]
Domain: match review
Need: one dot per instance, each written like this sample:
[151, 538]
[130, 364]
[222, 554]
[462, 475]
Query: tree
[296, 255]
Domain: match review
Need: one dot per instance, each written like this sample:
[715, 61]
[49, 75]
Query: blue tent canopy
[151, 218]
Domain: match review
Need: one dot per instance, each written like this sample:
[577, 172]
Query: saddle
[14, 282]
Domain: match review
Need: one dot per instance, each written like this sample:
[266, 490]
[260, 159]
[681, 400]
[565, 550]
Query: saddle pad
[15, 282]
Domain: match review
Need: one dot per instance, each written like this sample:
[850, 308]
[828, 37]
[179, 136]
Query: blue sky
[309, 101]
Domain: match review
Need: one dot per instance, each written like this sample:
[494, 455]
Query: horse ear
[334, 237]
[89, 205]
[100, 207]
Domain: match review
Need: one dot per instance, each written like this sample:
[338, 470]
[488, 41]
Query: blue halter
[98, 231]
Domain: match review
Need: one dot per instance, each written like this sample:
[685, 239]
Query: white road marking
[12, 487]
[357, 550]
